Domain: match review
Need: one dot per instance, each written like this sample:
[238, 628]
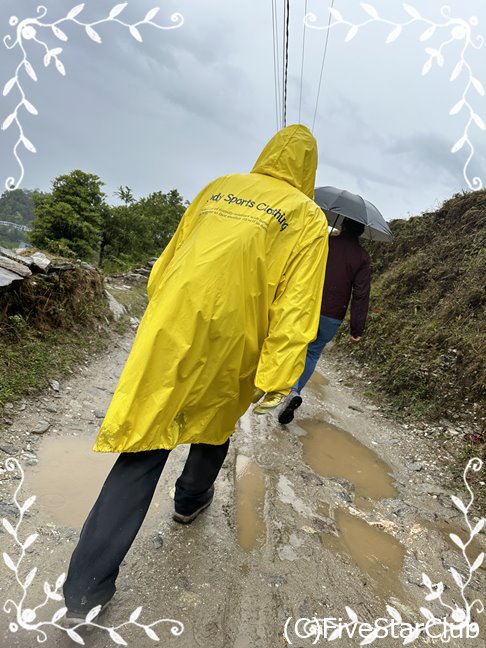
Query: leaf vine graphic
[31, 29]
[26, 618]
[456, 618]
[456, 30]
[461, 616]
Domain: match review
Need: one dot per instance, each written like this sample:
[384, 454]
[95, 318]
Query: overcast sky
[190, 104]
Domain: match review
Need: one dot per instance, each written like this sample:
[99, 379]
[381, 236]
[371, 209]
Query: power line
[302, 60]
[322, 67]
[276, 79]
[282, 69]
[286, 59]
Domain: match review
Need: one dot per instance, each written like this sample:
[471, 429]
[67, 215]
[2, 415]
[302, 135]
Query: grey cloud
[429, 154]
[191, 103]
[364, 173]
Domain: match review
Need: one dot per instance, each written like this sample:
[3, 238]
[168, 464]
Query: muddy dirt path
[339, 508]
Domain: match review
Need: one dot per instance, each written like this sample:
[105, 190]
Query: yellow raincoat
[233, 302]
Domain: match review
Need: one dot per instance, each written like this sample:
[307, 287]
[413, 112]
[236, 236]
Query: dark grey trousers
[119, 511]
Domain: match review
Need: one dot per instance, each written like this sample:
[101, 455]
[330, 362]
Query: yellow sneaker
[270, 402]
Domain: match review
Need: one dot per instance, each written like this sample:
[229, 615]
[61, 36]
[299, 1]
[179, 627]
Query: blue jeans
[328, 327]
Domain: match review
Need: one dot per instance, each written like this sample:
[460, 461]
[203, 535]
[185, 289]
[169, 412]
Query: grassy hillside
[49, 323]
[425, 344]
[52, 322]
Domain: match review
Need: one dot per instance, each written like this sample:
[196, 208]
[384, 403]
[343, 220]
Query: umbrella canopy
[339, 204]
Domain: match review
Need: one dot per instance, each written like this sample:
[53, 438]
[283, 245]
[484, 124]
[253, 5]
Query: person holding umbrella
[348, 278]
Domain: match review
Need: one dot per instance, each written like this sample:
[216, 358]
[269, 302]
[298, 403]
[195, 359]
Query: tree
[162, 213]
[59, 230]
[17, 206]
[118, 241]
[125, 195]
[69, 220]
[134, 232]
[11, 237]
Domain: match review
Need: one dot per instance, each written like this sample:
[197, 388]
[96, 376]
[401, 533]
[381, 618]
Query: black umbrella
[339, 204]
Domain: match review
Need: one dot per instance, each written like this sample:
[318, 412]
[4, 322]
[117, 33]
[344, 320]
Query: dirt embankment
[424, 349]
[425, 343]
[51, 317]
[55, 313]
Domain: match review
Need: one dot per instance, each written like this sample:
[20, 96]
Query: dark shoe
[78, 617]
[187, 519]
[287, 413]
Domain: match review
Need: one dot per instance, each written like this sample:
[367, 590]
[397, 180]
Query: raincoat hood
[291, 155]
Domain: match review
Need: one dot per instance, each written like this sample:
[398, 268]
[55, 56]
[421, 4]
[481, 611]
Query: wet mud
[249, 504]
[307, 519]
[376, 553]
[332, 452]
[68, 478]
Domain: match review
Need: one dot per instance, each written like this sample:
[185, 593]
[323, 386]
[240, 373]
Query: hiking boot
[293, 402]
[78, 617]
[188, 518]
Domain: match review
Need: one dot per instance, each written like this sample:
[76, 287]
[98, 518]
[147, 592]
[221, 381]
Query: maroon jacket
[348, 276]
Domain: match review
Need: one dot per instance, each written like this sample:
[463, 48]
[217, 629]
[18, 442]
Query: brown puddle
[375, 552]
[68, 478]
[333, 452]
[318, 379]
[249, 503]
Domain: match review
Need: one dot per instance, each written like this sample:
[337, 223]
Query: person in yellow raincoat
[234, 301]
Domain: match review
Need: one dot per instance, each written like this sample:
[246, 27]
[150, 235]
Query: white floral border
[28, 30]
[25, 617]
[458, 30]
[460, 617]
